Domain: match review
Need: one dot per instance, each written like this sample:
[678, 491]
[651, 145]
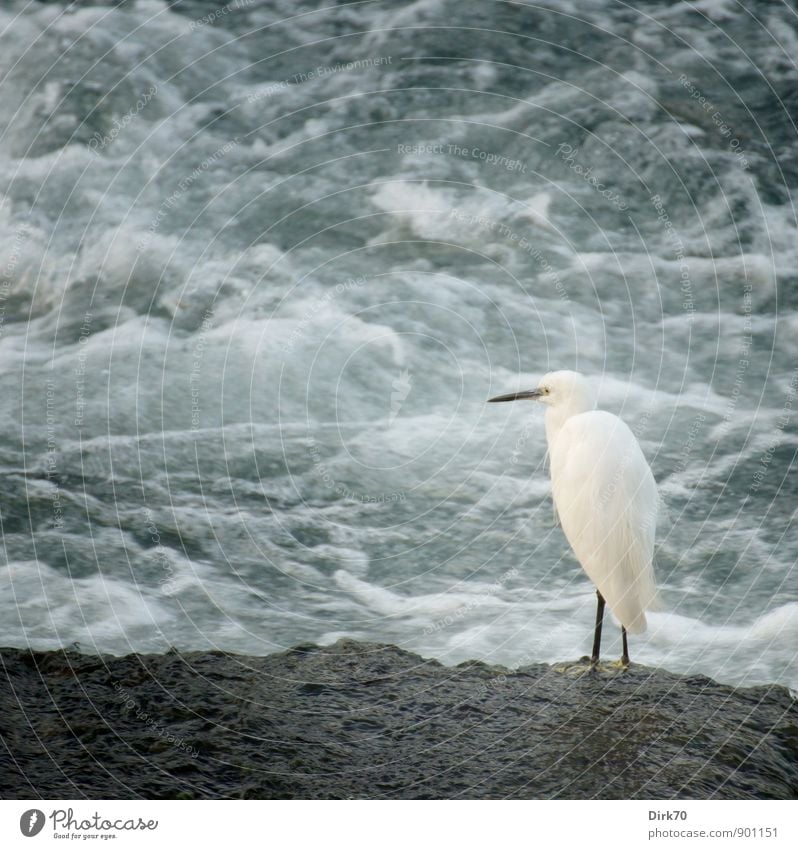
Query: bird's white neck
[558, 414]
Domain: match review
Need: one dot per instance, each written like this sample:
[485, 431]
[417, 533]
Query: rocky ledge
[359, 720]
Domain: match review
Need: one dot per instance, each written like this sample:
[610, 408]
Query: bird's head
[567, 389]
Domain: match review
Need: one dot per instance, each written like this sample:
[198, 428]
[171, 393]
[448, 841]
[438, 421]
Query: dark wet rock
[372, 721]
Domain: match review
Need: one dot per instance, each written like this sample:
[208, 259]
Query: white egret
[605, 498]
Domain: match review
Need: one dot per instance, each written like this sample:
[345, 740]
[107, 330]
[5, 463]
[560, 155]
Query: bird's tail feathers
[629, 591]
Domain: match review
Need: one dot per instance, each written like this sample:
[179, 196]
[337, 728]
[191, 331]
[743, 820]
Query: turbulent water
[263, 263]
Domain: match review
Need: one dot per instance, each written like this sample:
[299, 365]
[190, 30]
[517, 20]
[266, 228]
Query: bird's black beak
[528, 395]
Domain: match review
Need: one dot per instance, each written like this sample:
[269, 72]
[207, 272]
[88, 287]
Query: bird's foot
[574, 668]
[587, 665]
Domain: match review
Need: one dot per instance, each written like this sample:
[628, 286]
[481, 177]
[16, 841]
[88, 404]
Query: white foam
[389, 603]
[102, 613]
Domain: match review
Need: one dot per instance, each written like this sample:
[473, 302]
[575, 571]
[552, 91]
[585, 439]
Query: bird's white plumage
[604, 494]
[606, 499]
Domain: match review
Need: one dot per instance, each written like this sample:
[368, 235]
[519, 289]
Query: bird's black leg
[625, 655]
[594, 658]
